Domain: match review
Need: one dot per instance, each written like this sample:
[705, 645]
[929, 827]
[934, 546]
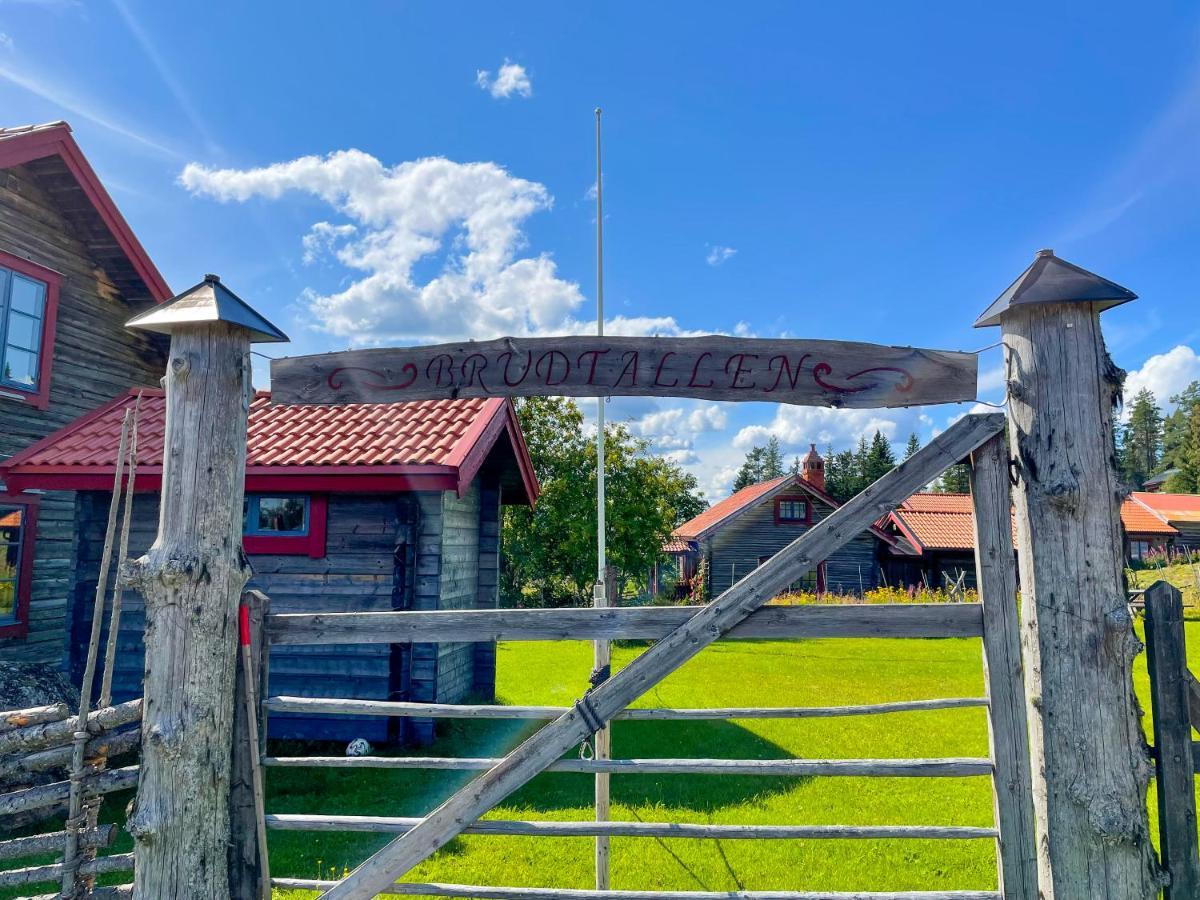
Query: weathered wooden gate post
[1090, 767]
[192, 579]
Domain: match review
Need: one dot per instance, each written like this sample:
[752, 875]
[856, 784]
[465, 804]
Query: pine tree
[913, 445]
[1187, 458]
[841, 474]
[772, 465]
[751, 470]
[1141, 439]
[955, 480]
[1177, 426]
[879, 459]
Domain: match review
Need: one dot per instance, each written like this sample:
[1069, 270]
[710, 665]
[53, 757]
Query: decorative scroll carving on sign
[817, 373]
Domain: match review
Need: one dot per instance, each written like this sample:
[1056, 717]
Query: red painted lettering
[695, 370]
[507, 357]
[478, 362]
[595, 355]
[549, 358]
[739, 370]
[658, 372]
[785, 366]
[630, 368]
[445, 364]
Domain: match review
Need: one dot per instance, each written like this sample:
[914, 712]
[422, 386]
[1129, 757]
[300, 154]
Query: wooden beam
[35, 844]
[1193, 691]
[50, 734]
[50, 794]
[816, 373]
[316, 706]
[1091, 772]
[553, 740]
[481, 892]
[624, 623]
[1008, 726]
[37, 715]
[1166, 658]
[118, 862]
[399, 825]
[960, 767]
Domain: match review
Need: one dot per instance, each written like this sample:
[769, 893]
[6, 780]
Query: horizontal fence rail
[917, 620]
[481, 892]
[120, 862]
[338, 706]
[49, 794]
[399, 825]
[951, 767]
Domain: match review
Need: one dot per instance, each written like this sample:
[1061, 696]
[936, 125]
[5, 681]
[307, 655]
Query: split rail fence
[35, 744]
[736, 615]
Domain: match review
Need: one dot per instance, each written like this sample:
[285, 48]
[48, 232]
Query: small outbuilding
[365, 507]
[733, 537]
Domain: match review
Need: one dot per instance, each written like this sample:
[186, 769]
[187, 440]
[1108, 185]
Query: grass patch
[795, 673]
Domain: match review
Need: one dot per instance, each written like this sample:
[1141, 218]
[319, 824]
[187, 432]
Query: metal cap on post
[181, 820]
[1052, 280]
[208, 301]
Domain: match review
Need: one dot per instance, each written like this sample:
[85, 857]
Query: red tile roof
[415, 445]
[946, 521]
[673, 546]
[722, 513]
[727, 508]
[1172, 507]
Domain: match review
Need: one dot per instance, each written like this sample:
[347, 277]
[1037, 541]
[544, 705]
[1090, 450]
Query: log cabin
[733, 537]
[937, 534]
[71, 274]
[357, 508]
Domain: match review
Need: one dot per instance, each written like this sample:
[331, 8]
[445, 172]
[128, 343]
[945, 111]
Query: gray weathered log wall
[734, 551]
[95, 360]
[360, 572]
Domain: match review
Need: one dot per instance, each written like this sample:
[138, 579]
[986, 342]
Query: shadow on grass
[403, 792]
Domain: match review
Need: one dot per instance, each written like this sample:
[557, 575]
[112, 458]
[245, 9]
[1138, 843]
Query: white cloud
[6, 42]
[798, 426]
[1165, 374]
[510, 79]
[470, 214]
[677, 428]
[718, 255]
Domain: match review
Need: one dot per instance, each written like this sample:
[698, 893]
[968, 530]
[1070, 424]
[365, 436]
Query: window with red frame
[791, 509]
[28, 307]
[18, 526]
[285, 524]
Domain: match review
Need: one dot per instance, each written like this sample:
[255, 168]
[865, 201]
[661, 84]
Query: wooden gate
[1175, 701]
[679, 634]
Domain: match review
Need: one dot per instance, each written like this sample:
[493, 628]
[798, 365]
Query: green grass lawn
[815, 672]
[799, 673]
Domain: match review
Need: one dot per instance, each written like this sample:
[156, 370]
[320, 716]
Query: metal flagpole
[602, 650]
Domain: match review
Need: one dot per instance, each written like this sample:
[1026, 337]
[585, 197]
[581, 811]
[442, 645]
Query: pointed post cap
[208, 301]
[1052, 280]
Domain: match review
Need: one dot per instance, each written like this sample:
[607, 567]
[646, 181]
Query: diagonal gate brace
[549, 743]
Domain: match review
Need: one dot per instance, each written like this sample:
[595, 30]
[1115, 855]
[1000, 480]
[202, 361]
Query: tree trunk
[191, 579]
[1090, 762]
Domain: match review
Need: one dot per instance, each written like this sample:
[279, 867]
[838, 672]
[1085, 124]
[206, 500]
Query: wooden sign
[814, 373]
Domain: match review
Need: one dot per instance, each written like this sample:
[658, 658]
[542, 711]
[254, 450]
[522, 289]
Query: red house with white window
[71, 274]
[358, 508]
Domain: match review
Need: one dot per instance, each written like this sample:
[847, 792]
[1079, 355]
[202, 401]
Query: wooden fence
[1175, 699]
[994, 620]
[38, 741]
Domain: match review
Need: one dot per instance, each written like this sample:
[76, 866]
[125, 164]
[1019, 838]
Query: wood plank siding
[736, 549]
[94, 360]
[383, 552]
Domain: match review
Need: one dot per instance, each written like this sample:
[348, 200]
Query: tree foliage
[1181, 441]
[550, 550]
[913, 445]
[1140, 450]
[761, 464]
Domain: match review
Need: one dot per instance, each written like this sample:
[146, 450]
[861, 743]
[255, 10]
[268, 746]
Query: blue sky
[870, 172]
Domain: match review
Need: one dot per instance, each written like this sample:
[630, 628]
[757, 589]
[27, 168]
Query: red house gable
[430, 445]
[49, 152]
